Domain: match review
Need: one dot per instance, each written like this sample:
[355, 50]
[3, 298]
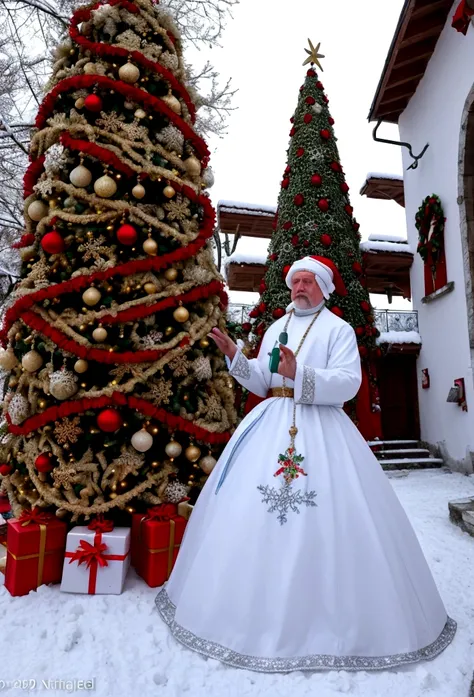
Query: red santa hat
[325, 271]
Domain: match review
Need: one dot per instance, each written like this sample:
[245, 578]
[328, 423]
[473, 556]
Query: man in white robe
[298, 554]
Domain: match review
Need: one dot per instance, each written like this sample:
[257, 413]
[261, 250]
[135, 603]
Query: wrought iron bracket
[416, 158]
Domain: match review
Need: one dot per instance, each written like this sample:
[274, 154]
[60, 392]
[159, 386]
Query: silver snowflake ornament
[285, 499]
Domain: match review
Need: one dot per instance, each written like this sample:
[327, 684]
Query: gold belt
[281, 392]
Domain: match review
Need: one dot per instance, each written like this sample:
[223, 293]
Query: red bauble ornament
[349, 210]
[254, 313]
[44, 462]
[292, 120]
[316, 180]
[310, 100]
[331, 120]
[292, 132]
[288, 169]
[363, 282]
[126, 234]
[306, 243]
[323, 205]
[335, 166]
[344, 188]
[378, 352]
[109, 420]
[278, 313]
[93, 103]
[273, 257]
[260, 330]
[319, 85]
[308, 118]
[262, 307]
[325, 134]
[326, 240]
[263, 287]
[300, 152]
[325, 99]
[5, 470]
[338, 311]
[360, 331]
[286, 270]
[368, 330]
[53, 243]
[355, 226]
[246, 327]
[295, 240]
[365, 306]
[288, 225]
[357, 268]
[363, 351]
[298, 200]
[285, 183]
[311, 73]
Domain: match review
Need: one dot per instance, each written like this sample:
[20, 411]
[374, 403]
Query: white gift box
[102, 570]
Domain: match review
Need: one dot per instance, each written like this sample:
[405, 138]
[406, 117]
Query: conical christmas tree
[315, 217]
[116, 398]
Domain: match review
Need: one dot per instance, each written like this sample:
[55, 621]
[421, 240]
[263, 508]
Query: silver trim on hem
[285, 665]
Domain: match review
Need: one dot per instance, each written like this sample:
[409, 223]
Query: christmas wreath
[429, 222]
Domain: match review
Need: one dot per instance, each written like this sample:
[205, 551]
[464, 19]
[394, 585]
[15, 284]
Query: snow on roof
[396, 337]
[248, 208]
[375, 247]
[247, 257]
[381, 175]
[386, 237]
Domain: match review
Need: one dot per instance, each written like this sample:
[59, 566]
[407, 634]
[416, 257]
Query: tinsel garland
[32, 175]
[106, 50]
[134, 94]
[120, 400]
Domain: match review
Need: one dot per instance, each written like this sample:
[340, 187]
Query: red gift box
[156, 539]
[35, 551]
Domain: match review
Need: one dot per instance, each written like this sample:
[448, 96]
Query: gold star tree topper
[313, 55]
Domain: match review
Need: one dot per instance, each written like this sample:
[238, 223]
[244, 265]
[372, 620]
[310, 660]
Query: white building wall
[434, 116]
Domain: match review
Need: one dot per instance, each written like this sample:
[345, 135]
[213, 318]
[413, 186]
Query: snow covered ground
[121, 644]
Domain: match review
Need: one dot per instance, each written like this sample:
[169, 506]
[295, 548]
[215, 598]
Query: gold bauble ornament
[193, 166]
[181, 314]
[169, 192]
[169, 331]
[173, 449]
[129, 73]
[81, 366]
[139, 191]
[37, 210]
[139, 114]
[8, 360]
[192, 453]
[204, 343]
[173, 103]
[90, 69]
[171, 274]
[32, 361]
[99, 334]
[207, 464]
[79, 103]
[142, 440]
[150, 288]
[80, 176]
[91, 296]
[150, 247]
[105, 186]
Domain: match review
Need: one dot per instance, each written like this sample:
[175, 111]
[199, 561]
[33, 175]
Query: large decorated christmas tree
[315, 217]
[115, 396]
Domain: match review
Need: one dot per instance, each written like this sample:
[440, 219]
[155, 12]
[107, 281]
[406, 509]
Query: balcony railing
[385, 320]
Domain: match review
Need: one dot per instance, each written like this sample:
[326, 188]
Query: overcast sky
[263, 51]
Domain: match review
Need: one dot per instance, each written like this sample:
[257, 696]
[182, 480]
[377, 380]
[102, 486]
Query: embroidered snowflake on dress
[286, 499]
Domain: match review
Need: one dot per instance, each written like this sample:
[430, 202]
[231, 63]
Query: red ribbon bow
[163, 513]
[101, 524]
[90, 554]
[35, 515]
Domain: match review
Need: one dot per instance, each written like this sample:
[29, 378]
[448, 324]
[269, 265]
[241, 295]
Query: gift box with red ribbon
[156, 539]
[35, 551]
[97, 558]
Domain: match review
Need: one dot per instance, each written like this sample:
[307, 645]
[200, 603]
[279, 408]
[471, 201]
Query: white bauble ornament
[139, 114]
[175, 492]
[173, 103]
[32, 361]
[193, 166]
[138, 191]
[63, 384]
[91, 296]
[99, 334]
[81, 366]
[37, 210]
[79, 103]
[80, 176]
[105, 186]
[129, 105]
[207, 464]
[173, 449]
[142, 441]
[8, 360]
[129, 73]
[317, 108]
[208, 178]
[18, 409]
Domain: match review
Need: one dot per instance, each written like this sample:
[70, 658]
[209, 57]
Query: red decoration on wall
[430, 222]
[425, 379]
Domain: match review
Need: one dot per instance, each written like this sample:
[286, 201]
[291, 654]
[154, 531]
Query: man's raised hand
[287, 366]
[224, 343]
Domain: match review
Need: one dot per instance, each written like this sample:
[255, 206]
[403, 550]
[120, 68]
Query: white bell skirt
[267, 581]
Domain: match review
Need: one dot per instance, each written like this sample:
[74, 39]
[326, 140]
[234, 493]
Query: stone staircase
[403, 455]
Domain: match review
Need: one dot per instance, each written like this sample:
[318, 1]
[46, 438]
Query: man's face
[305, 291]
